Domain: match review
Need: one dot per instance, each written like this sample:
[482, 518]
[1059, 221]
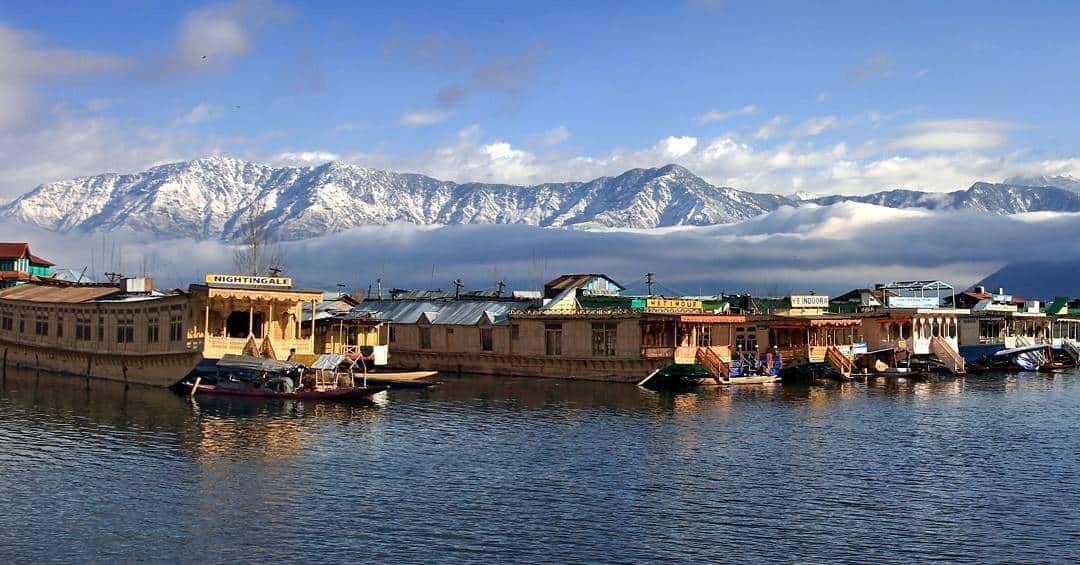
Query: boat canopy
[1019, 350]
[230, 361]
[328, 362]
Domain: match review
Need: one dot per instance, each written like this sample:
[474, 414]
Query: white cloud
[553, 136]
[424, 118]
[305, 158]
[953, 135]
[25, 64]
[675, 147]
[214, 36]
[769, 128]
[816, 126]
[784, 250]
[717, 115]
[202, 112]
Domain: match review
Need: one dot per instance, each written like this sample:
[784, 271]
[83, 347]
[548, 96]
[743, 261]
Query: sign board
[249, 280]
[1002, 298]
[672, 305]
[859, 347]
[913, 302]
[809, 301]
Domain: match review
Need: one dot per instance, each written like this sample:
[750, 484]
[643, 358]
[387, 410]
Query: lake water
[986, 468]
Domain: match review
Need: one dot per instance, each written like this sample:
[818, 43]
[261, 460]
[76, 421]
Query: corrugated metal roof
[457, 313]
[59, 294]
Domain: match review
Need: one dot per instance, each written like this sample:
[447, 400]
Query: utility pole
[498, 291]
[458, 285]
[649, 282]
[378, 283]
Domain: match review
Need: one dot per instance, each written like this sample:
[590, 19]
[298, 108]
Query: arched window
[952, 328]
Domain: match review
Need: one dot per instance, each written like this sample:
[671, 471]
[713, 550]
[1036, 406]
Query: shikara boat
[256, 377]
[1038, 357]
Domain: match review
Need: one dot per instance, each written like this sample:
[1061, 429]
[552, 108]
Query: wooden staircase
[1072, 347]
[947, 355]
[712, 363]
[839, 362]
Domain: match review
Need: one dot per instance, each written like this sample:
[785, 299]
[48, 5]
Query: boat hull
[354, 393]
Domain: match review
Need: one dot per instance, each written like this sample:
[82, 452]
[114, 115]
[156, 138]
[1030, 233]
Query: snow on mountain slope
[984, 197]
[208, 199]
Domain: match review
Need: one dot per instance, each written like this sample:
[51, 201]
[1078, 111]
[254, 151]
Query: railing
[708, 358]
[1072, 347]
[944, 352]
[838, 361]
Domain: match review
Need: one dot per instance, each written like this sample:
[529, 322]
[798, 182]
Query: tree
[256, 253]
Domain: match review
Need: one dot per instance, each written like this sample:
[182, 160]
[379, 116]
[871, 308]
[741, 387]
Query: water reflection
[511, 470]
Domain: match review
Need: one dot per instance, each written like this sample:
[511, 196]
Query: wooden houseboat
[914, 324]
[128, 331]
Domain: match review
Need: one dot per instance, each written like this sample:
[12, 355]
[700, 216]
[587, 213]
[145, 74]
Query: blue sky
[822, 97]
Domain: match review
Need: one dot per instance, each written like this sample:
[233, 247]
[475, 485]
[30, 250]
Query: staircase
[947, 355]
[1072, 347]
[839, 362]
[712, 363]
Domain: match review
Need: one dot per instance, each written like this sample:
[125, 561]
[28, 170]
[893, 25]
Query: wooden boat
[256, 377]
[344, 393]
[408, 379]
[682, 377]
[1027, 358]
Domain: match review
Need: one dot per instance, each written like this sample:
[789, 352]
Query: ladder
[1072, 347]
[947, 355]
[712, 363]
[839, 362]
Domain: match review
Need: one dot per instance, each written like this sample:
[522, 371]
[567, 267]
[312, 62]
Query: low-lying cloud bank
[827, 249]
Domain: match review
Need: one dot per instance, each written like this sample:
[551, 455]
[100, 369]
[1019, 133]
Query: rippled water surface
[507, 470]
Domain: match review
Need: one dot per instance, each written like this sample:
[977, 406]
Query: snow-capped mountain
[981, 196]
[1065, 182]
[211, 197]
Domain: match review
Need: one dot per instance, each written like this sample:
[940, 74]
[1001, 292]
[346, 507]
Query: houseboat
[916, 327]
[131, 332]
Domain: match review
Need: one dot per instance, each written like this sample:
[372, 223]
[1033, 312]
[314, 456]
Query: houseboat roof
[20, 250]
[573, 281]
[57, 294]
[457, 313]
[820, 320]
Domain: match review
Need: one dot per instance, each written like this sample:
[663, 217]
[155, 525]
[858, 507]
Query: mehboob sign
[816, 301]
[249, 280]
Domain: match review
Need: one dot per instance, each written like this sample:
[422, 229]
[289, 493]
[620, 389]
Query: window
[553, 339]
[485, 340]
[746, 338]
[59, 326]
[41, 325]
[425, 337]
[101, 328]
[153, 330]
[176, 328]
[603, 339]
[704, 336]
[515, 332]
[82, 329]
[393, 334]
[125, 330]
[7, 323]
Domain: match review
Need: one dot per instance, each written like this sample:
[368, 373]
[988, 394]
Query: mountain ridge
[211, 197]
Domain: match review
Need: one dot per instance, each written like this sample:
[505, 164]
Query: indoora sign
[809, 301]
[250, 280]
[673, 305]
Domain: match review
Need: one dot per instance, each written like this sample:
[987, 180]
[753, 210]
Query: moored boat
[1037, 357]
[256, 377]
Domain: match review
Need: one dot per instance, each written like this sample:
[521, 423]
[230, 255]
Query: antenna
[499, 290]
[458, 285]
[378, 283]
[649, 282]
